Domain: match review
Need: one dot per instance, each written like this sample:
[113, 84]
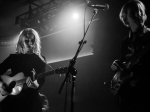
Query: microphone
[103, 7]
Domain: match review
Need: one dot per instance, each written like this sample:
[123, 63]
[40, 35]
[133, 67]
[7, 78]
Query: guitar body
[7, 80]
[119, 78]
[16, 82]
[124, 73]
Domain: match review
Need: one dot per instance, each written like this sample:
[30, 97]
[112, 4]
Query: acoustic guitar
[16, 82]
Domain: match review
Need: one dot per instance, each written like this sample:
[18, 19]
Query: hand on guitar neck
[13, 85]
[32, 84]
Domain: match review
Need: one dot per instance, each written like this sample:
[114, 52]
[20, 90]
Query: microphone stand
[71, 68]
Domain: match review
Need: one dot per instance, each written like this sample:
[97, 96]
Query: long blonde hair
[21, 46]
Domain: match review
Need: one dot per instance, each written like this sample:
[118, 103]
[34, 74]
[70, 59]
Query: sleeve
[123, 49]
[48, 66]
[118, 63]
[44, 66]
[41, 69]
[5, 65]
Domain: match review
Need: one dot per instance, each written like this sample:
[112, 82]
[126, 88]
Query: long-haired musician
[25, 63]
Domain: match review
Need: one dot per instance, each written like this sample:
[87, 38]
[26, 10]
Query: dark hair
[135, 6]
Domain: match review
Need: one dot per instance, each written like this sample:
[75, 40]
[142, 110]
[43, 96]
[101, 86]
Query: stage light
[75, 16]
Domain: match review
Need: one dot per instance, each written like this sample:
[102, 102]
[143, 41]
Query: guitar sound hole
[11, 86]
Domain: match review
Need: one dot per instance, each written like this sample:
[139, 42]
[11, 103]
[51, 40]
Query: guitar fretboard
[57, 71]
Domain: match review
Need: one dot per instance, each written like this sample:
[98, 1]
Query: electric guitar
[124, 72]
[16, 82]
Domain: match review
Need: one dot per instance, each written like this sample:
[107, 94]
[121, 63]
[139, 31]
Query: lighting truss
[27, 17]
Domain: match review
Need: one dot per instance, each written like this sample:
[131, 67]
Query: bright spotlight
[75, 16]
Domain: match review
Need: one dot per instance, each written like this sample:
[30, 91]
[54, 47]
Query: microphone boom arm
[71, 68]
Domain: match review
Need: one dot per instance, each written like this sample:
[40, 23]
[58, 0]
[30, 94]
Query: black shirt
[28, 99]
[136, 46]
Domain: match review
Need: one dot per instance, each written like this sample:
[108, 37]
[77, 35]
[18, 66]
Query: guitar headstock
[61, 70]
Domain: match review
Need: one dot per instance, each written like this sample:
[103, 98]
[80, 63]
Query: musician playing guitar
[24, 64]
[131, 82]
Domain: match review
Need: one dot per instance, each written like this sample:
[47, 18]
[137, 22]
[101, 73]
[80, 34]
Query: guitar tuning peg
[62, 75]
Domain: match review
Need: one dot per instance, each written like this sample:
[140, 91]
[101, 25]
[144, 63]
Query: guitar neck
[20, 82]
[138, 56]
[57, 71]
[45, 74]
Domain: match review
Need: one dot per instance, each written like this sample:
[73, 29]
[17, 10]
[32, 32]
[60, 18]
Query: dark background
[91, 95]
